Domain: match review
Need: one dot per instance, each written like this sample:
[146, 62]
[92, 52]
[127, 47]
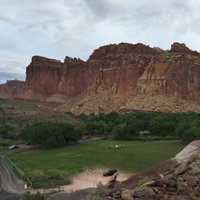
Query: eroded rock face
[119, 70]
[11, 88]
[43, 75]
[182, 48]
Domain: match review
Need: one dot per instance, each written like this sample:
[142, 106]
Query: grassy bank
[70, 160]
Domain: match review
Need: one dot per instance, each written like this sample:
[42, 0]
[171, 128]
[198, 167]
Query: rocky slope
[118, 77]
[175, 179]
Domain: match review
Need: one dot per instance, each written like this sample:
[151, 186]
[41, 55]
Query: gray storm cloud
[76, 27]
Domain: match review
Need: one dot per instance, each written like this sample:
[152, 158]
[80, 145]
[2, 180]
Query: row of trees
[114, 126]
[185, 126]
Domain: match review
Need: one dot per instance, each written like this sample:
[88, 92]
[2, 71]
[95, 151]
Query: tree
[5, 130]
[95, 127]
[50, 134]
[123, 132]
[190, 134]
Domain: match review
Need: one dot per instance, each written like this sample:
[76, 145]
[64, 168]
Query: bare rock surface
[11, 88]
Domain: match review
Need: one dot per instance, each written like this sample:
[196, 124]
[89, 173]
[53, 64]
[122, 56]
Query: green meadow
[73, 159]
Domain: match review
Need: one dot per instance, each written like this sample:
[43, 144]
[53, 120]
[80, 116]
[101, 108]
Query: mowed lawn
[136, 156]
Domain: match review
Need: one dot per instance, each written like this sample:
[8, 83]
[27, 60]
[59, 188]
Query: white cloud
[76, 27]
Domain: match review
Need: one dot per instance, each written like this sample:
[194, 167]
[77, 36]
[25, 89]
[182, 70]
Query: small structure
[117, 146]
[144, 133]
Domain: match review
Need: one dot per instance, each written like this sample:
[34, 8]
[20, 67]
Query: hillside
[17, 114]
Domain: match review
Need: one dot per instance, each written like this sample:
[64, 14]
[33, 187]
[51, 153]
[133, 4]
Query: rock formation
[177, 178]
[11, 88]
[114, 76]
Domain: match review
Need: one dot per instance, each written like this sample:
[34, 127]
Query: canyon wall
[11, 88]
[118, 71]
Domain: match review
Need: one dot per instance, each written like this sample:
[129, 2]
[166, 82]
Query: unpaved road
[10, 187]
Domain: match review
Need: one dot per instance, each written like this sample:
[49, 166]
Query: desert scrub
[183, 187]
[97, 194]
[143, 181]
[37, 196]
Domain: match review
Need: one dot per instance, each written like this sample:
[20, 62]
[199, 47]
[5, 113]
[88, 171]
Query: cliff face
[11, 88]
[43, 75]
[117, 71]
[176, 73]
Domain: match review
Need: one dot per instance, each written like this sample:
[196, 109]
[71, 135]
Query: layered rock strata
[115, 73]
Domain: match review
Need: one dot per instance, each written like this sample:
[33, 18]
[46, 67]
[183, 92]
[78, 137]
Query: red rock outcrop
[43, 75]
[182, 48]
[114, 72]
[11, 88]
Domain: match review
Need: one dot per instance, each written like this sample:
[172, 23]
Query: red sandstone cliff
[113, 75]
[11, 88]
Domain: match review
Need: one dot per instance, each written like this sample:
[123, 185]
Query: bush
[123, 132]
[95, 127]
[37, 196]
[127, 126]
[5, 131]
[48, 179]
[190, 134]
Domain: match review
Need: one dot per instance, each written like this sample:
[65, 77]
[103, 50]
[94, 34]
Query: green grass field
[73, 159]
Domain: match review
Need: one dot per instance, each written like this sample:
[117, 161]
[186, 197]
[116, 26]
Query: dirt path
[90, 179]
[87, 179]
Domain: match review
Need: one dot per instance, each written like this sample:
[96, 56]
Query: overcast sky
[56, 28]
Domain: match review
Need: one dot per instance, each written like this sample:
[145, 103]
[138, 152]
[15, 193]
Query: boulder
[109, 172]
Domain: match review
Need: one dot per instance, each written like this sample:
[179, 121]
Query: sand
[91, 178]
[85, 180]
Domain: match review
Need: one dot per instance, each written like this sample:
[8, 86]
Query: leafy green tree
[5, 130]
[190, 134]
[123, 132]
[95, 127]
[50, 134]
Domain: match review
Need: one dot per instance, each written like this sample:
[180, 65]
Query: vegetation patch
[97, 193]
[50, 134]
[37, 196]
[160, 126]
[48, 178]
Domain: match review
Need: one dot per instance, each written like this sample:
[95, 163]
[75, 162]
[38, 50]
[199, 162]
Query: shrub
[37, 196]
[190, 134]
[5, 131]
[48, 179]
[123, 132]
